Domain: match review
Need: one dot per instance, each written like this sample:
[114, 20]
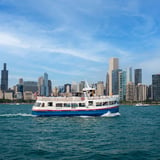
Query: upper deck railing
[108, 98]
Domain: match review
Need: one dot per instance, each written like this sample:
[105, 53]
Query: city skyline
[44, 79]
[118, 84]
[73, 41]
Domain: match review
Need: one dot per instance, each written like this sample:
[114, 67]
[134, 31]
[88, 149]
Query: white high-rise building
[141, 92]
[113, 65]
[100, 88]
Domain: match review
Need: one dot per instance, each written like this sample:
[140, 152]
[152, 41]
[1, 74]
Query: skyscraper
[30, 86]
[122, 85]
[130, 91]
[137, 76]
[49, 87]
[113, 65]
[115, 81]
[67, 88]
[140, 92]
[100, 88]
[44, 86]
[41, 86]
[107, 84]
[156, 87]
[4, 78]
[129, 74]
[46, 93]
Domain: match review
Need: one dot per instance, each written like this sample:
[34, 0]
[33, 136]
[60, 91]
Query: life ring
[82, 98]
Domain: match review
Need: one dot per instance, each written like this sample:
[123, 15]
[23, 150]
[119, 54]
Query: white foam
[17, 114]
[109, 114]
[85, 116]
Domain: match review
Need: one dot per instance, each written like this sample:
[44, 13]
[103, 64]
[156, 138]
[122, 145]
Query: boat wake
[86, 116]
[109, 114]
[16, 115]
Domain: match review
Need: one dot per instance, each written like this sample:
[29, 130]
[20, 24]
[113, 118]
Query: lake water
[134, 135]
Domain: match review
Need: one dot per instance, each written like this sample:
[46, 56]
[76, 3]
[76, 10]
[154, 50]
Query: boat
[141, 105]
[87, 105]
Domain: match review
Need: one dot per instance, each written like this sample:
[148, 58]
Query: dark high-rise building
[67, 88]
[50, 87]
[107, 84]
[46, 93]
[4, 78]
[30, 86]
[156, 87]
[137, 76]
[115, 81]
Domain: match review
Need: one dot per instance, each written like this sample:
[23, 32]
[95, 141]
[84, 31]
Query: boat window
[74, 105]
[98, 103]
[58, 104]
[81, 104]
[37, 104]
[67, 105]
[90, 103]
[43, 104]
[105, 103]
[111, 102]
[50, 104]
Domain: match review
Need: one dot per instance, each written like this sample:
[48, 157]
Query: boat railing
[59, 98]
[76, 98]
[102, 97]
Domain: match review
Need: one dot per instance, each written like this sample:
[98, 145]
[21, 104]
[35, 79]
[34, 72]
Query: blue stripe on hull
[76, 113]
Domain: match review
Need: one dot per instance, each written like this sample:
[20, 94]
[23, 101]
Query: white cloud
[10, 40]
[87, 33]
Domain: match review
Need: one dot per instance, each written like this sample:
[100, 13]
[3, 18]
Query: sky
[74, 40]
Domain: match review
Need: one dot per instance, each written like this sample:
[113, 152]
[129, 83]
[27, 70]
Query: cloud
[79, 36]
[10, 40]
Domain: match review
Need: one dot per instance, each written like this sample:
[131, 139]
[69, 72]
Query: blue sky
[74, 40]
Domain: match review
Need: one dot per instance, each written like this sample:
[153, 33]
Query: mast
[88, 91]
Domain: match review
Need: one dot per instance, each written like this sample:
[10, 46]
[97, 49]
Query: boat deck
[76, 98]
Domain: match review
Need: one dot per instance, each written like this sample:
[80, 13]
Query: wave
[16, 115]
[109, 114]
[86, 116]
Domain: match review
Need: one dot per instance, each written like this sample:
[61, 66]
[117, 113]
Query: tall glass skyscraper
[137, 76]
[115, 81]
[156, 87]
[46, 93]
[4, 78]
[129, 74]
[113, 65]
[122, 85]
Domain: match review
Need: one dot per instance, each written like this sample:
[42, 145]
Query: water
[134, 135]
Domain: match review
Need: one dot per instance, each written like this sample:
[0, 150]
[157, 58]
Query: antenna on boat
[88, 91]
[87, 85]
